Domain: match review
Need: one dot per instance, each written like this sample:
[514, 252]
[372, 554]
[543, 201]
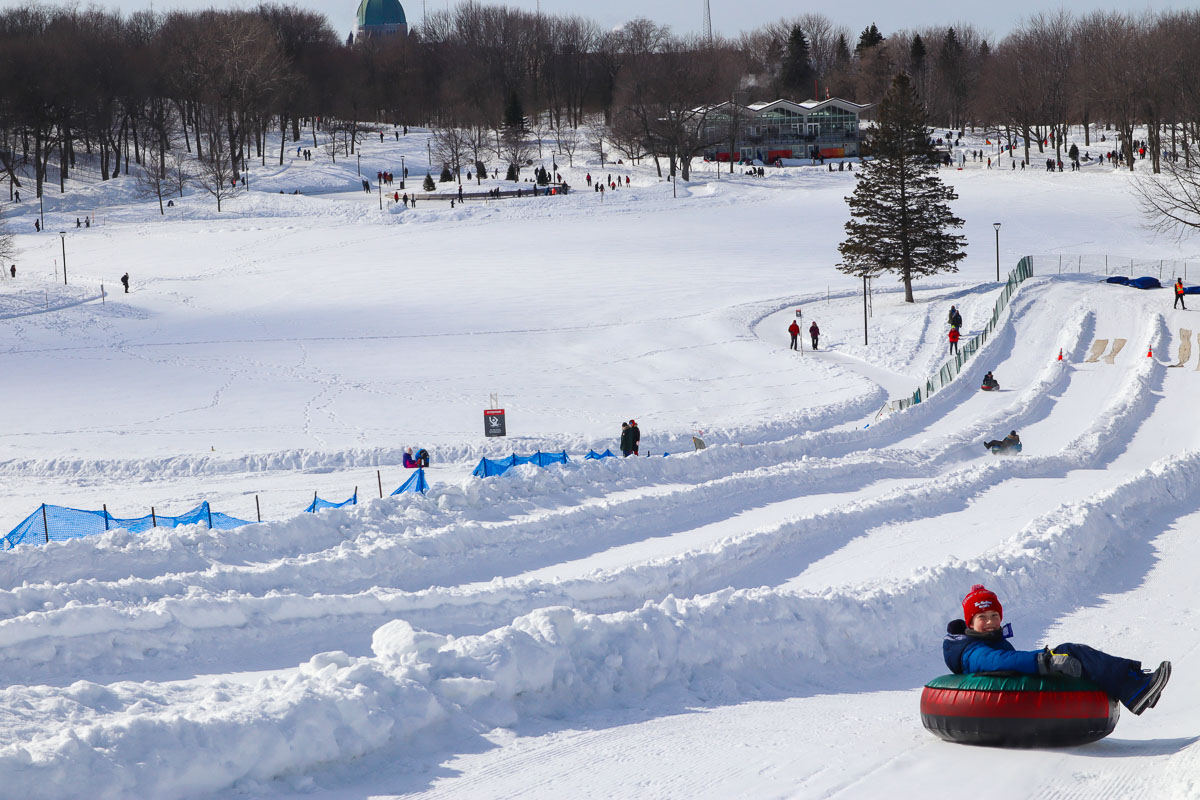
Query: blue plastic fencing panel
[592, 454]
[320, 505]
[415, 483]
[58, 523]
[546, 459]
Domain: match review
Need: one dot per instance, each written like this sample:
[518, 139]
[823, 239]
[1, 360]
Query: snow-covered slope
[754, 619]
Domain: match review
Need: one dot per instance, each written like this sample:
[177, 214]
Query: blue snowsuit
[966, 651]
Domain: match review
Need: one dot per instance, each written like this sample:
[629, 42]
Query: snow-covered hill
[754, 619]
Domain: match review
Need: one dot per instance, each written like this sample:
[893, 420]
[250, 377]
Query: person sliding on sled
[1012, 441]
[421, 459]
[979, 643]
[989, 384]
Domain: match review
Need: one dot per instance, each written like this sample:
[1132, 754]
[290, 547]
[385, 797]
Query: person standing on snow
[125, 282]
[815, 333]
[1179, 292]
[794, 330]
[636, 432]
[626, 440]
[954, 340]
[954, 318]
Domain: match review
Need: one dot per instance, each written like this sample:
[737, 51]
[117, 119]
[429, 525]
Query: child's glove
[1050, 663]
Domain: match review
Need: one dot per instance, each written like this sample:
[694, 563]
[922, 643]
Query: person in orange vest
[794, 330]
[954, 340]
[1179, 294]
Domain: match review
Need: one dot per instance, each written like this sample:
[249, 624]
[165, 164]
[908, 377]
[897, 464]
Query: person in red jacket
[954, 340]
[794, 330]
[815, 333]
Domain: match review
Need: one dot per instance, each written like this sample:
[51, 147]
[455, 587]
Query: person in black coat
[815, 333]
[626, 440]
[637, 435]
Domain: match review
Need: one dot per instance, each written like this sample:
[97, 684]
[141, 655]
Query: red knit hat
[978, 600]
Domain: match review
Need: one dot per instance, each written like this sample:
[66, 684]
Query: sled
[1185, 347]
[1000, 449]
[993, 388]
[1098, 347]
[1117, 345]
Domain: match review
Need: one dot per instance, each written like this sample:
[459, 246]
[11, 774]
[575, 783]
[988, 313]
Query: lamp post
[359, 165]
[63, 235]
[41, 214]
[996, 225]
[403, 172]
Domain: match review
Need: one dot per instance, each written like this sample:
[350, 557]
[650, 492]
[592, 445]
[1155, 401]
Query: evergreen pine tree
[900, 217]
[514, 112]
[868, 39]
[446, 175]
[841, 50]
[916, 54]
[512, 175]
[429, 185]
[797, 72]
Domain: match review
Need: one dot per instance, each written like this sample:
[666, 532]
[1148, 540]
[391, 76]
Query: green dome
[380, 12]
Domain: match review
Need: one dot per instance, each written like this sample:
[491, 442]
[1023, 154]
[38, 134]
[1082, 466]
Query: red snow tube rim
[1007, 710]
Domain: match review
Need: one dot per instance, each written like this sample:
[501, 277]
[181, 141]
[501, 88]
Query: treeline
[141, 88]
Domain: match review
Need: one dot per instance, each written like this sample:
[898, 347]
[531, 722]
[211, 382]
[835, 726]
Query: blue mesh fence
[320, 505]
[58, 523]
[951, 369]
[416, 483]
[488, 467]
[593, 455]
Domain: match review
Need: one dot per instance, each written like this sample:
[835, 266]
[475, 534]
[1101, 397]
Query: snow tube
[1145, 282]
[1013, 710]
[998, 449]
[989, 387]
[1120, 279]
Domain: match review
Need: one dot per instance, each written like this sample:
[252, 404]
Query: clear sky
[729, 17]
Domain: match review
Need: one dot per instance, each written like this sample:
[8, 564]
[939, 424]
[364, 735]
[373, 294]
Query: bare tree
[178, 171]
[153, 179]
[1170, 200]
[568, 142]
[451, 145]
[216, 174]
[8, 247]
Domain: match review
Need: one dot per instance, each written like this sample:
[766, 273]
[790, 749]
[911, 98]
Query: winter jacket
[627, 440]
[409, 462]
[966, 651]
[956, 320]
[954, 334]
[637, 436]
[794, 329]
[813, 330]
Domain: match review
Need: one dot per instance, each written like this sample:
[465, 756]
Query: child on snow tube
[979, 643]
[421, 459]
[989, 384]
[1010, 442]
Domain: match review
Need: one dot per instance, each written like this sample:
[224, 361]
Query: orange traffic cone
[1150, 353]
[1060, 354]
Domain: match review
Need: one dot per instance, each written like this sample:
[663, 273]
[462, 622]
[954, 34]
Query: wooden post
[355, 496]
[208, 510]
[153, 518]
[257, 508]
[45, 524]
[105, 515]
[379, 478]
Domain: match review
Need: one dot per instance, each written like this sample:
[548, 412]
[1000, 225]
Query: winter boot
[1156, 681]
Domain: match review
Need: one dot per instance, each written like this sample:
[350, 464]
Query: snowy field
[754, 620]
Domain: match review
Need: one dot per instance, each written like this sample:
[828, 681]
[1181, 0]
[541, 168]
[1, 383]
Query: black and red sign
[493, 422]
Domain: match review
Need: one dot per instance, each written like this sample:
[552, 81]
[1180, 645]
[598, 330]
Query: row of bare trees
[134, 89]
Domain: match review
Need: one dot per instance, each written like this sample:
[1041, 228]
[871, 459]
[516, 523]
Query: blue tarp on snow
[592, 454]
[1121, 279]
[320, 505]
[1191, 290]
[492, 466]
[416, 483]
[1145, 282]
